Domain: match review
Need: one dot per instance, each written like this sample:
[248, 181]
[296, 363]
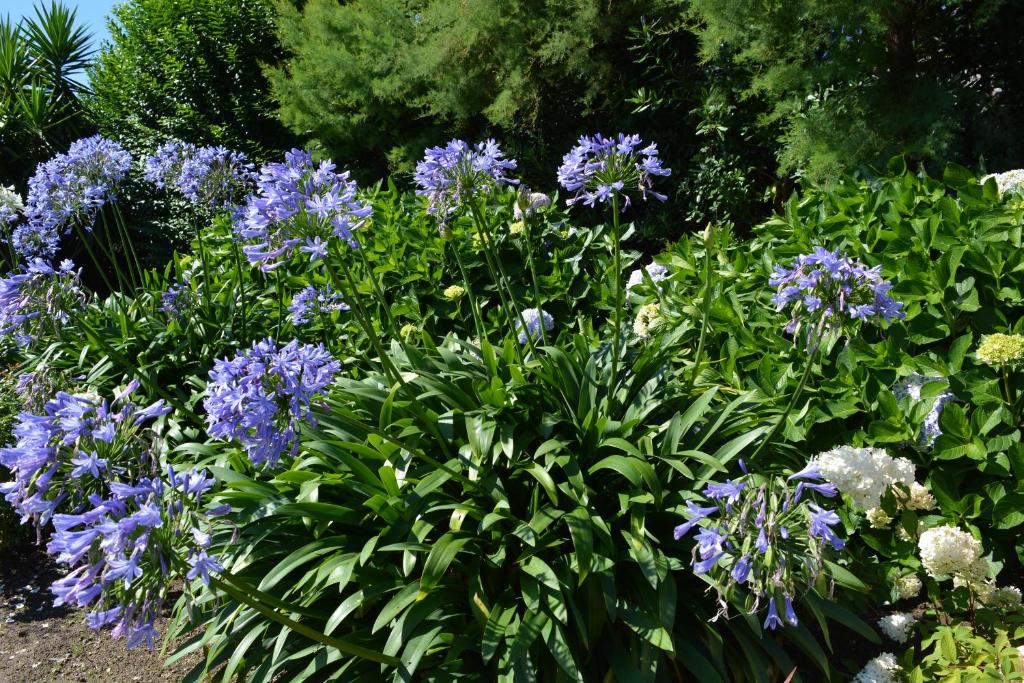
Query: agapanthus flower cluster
[864, 474]
[647, 318]
[882, 669]
[1001, 350]
[1008, 181]
[765, 534]
[211, 177]
[910, 388]
[35, 388]
[38, 300]
[655, 271]
[69, 190]
[598, 168]
[62, 455]
[299, 207]
[126, 544]
[897, 625]
[261, 397]
[453, 175]
[528, 203]
[177, 299]
[11, 205]
[827, 291]
[533, 318]
[313, 302]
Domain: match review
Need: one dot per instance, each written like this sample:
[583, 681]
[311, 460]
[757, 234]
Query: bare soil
[40, 643]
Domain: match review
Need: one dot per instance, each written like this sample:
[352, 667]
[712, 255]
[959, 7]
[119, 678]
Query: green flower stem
[379, 293]
[279, 287]
[533, 274]
[617, 313]
[789, 407]
[92, 255]
[243, 297]
[127, 244]
[275, 615]
[207, 303]
[1011, 397]
[706, 305]
[481, 330]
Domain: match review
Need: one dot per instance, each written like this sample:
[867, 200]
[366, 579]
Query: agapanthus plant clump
[828, 291]
[910, 389]
[210, 177]
[128, 544]
[765, 536]
[263, 395]
[68, 191]
[299, 208]
[39, 300]
[64, 455]
[453, 175]
[533, 318]
[312, 303]
[599, 168]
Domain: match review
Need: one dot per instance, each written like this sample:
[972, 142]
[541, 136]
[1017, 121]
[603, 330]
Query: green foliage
[189, 70]
[41, 63]
[958, 654]
[853, 83]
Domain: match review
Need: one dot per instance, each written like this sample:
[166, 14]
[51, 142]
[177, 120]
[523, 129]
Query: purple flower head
[215, 177]
[772, 621]
[534, 318]
[822, 522]
[598, 168]
[69, 190]
[741, 570]
[698, 513]
[827, 291]
[202, 566]
[312, 303]
[790, 612]
[299, 207]
[452, 175]
[262, 395]
[163, 168]
[39, 300]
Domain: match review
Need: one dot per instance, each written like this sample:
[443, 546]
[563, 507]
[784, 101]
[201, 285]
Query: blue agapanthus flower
[533, 318]
[827, 291]
[69, 190]
[300, 207]
[312, 302]
[77, 437]
[210, 177]
[39, 300]
[163, 167]
[764, 534]
[450, 176]
[262, 395]
[910, 388]
[598, 168]
[119, 547]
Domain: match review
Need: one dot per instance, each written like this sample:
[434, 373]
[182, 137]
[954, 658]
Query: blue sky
[91, 13]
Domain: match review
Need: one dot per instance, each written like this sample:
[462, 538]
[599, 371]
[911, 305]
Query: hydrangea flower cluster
[38, 300]
[948, 550]
[69, 189]
[864, 474]
[1001, 349]
[311, 303]
[122, 548]
[765, 534]
[533, 318]
[454, 292]
[451, 175]
[908, 586]
[10, 205]
[61, 456]
[910, 388]
[646, 319]
[299, 207]
[1008, 181]
[655, 271]
[528, 203]
[882, 669]
[598, 168]
[829, 291]
[262, 395]
[897, 625]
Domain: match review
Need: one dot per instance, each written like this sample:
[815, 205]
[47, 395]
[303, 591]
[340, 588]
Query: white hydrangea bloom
[533, 201]
[1009, 181]
[1007, 597]
[908, 587]
[646, 319]
[864, 474]
[878, 519]
[655, 271]
[897, 626]
[947, 550]
[881, 669]
[919, 498]
[10, 198]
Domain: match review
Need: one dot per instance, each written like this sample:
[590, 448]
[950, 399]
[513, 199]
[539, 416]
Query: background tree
[41, 64]
[854, 82]
[188, 69]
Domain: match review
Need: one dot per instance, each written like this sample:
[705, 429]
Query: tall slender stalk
[617, 313]
[789, 406]
[533, 274]
[705, 316]
[131, 258]
[241, 287]
[92, 255]
[481, 330]
[378, 292]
